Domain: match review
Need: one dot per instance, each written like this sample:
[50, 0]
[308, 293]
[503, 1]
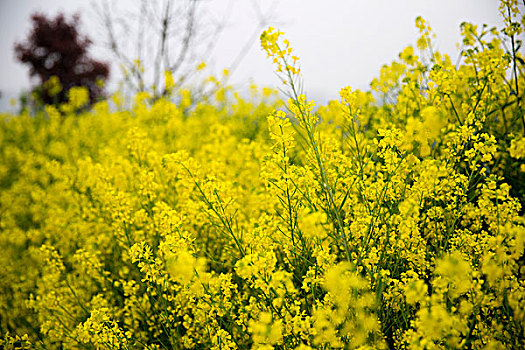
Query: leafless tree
[169, 35]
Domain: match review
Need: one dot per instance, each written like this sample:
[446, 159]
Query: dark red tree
[54, 47]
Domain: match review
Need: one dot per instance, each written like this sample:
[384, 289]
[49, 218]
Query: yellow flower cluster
[280, 52]
[386, 219]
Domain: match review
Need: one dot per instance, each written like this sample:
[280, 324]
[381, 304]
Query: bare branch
[187, 37]
[161, 52]
[170, 36]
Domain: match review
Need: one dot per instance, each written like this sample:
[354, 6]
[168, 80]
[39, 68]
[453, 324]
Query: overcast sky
[340, 43]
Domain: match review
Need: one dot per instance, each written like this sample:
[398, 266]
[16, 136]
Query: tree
[55, 49]
[168, 36]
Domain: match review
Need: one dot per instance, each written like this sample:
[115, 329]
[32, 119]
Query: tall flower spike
[280, 51]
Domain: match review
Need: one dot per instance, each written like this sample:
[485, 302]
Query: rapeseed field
[390, 218]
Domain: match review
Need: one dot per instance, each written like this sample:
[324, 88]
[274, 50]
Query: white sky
[340, 43]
